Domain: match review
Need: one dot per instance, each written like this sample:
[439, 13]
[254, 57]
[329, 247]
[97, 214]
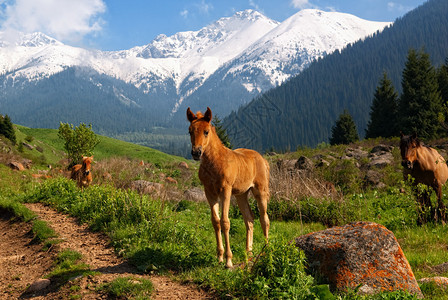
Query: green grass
[108, 147]
[160, 236]
[128, 288]
[68, 266]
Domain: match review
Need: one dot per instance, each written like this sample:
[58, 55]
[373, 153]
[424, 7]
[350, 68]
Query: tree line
[422, 106]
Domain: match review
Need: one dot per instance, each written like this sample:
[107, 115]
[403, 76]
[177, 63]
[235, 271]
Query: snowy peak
[237, 32]
[36, 39]
[319, 30]
[307, 35]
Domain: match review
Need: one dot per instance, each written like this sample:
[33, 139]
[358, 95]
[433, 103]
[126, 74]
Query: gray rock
[195, 194]
[146, 187]
[373, 178]
[38, 285]
[27, 146]
[381, 148]
[356, 153]
[287, 164]
[380, 160]
[304, 163]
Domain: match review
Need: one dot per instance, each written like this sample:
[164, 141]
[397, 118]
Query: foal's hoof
[229, 265]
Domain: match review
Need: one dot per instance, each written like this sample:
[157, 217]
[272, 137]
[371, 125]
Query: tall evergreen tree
[383, 112]
[221, 131]
[442, 78]
[420, 105]
[7, 129]
[2, 126]
[344, 130]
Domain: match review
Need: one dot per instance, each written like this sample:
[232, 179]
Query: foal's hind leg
[262, 196]
[441, 210]
[248, 217]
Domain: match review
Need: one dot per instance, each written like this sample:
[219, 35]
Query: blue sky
[120, 24]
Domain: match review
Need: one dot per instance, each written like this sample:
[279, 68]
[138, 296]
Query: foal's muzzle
[196, 153]
[407, 164]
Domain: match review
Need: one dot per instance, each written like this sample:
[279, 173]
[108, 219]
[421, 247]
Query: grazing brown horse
[224, 173]
[81, 173]
[426, 166]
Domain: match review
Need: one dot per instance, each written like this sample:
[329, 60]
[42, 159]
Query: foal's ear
[190, 115]
[208, 115]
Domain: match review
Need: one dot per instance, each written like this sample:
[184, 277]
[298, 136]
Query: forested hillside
[81, 95]
[303, 110]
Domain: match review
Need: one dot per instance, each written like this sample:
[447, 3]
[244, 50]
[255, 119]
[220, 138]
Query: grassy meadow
[166, 233]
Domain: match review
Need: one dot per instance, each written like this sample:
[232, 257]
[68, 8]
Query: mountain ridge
[211, 64]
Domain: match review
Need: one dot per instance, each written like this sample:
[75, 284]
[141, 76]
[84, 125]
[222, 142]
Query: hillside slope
[108, 147]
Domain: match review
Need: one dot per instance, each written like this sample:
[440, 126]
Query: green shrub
[276, 273]
[345, 174]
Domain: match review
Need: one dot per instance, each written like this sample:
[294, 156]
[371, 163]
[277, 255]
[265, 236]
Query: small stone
[38, 285]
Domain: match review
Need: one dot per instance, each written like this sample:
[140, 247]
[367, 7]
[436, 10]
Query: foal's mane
[409, 138]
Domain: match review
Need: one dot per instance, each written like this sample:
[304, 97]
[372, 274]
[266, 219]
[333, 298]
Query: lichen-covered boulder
[361, 254]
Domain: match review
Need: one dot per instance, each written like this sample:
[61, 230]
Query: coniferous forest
[302, 111]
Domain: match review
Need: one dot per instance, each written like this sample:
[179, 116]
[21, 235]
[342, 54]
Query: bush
[78, 142]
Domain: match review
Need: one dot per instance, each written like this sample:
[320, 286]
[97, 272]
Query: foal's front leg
[214, 209]
[225, 223]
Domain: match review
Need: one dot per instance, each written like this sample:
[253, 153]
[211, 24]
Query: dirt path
[22, 263]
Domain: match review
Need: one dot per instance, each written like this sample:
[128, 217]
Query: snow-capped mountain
[290, 47]
[223, 64]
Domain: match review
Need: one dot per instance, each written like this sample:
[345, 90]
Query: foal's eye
[205, 132]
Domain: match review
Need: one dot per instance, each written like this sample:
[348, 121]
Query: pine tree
[420, 105]
[383, 112]
[2, 126]
[222, 133]
[344, 131]
[7, 129]
[442, 78]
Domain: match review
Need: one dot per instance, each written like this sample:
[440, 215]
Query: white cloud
[62, 19]
[254, 5]
[184, 13]
[204, 7]
[300, 4]
[393, 6]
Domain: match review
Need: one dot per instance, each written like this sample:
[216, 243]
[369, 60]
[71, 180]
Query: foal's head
[86, 165]
[408, 148]
[200, 127]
